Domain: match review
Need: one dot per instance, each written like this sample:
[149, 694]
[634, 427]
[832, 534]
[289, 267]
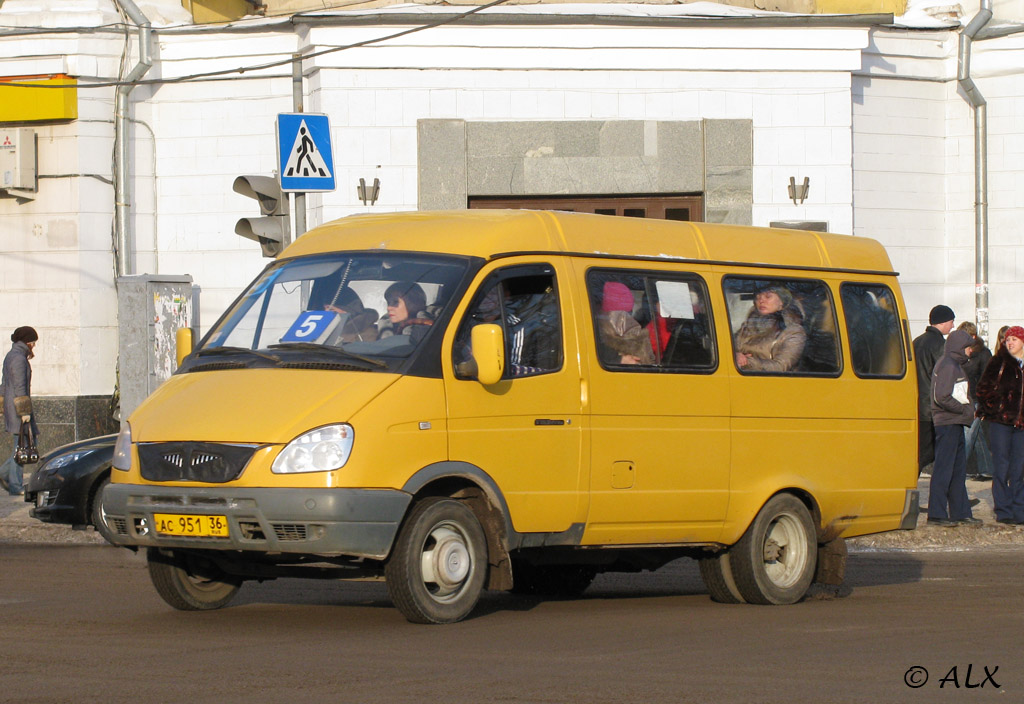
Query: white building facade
[598, 100]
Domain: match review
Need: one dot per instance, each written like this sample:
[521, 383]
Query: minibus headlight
[123, 449]
[321, 450]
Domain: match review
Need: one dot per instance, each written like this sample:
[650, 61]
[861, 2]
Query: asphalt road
[81, 623]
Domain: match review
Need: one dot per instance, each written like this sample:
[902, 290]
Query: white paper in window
[676, 299]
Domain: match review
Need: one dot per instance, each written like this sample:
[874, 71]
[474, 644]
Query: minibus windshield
[350, 309]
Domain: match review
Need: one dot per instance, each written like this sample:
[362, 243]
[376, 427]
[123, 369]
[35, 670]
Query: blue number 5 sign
[311, 326]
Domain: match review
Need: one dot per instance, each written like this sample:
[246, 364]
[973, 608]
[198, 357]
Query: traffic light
[271, 230]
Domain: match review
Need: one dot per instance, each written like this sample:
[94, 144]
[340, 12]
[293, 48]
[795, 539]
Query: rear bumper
[353, 522]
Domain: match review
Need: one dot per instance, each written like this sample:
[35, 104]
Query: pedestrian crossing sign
[304, 156]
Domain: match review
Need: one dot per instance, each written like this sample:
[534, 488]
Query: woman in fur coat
[16, 401]
[1001, 402]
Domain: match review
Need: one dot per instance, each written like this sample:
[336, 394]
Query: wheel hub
[447, 561]
[772, 551]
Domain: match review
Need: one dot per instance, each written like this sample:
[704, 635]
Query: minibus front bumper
[353, 522]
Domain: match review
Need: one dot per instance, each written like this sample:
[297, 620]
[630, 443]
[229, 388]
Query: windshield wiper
[235, 350]
[333, 351]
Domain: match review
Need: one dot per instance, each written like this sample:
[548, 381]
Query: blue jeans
[948, 475]
[12, 472]
[1007, 471]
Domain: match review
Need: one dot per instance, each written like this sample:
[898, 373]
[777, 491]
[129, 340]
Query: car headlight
[123, 449]
[65, 460]
[322, 450]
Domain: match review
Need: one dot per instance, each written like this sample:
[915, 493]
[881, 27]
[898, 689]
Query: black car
[66, 487]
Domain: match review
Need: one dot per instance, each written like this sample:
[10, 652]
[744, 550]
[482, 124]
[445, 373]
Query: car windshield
[350, 309]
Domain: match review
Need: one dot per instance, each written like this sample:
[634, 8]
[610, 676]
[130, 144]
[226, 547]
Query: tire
[96, 513]
[189, 582]
[774, 561]
[561, 581]
[716, 571]
[438, 565]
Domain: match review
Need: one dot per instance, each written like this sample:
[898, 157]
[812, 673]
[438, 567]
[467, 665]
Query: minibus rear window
[782, 326]
[873, 325]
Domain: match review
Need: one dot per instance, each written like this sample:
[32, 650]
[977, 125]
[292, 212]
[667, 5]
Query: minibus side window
[651, 321]
[782, 326]
[524, 301]
[873, 326]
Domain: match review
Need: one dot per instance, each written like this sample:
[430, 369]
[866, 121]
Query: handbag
[26, 452]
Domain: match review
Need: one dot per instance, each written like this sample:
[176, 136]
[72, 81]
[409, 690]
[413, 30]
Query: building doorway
[684, 207]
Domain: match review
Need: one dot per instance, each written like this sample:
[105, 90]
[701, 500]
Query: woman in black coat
[1001, 403]
[16, 395]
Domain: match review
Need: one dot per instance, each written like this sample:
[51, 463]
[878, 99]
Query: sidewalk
[18, 526]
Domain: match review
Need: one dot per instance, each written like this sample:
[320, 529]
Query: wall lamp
[368, 195]
[796, 193]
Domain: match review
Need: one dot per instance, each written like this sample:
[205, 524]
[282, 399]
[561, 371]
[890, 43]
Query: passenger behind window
[408, 313]
[361, 323]
[621, 339]
[772, 338]
[531, 325]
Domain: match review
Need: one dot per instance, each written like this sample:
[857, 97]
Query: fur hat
[784, 294]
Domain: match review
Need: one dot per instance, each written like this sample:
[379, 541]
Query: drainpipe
[125, 263]
[977, 101]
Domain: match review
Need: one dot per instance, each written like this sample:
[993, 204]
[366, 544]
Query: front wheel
[774, 561]
[437, 568]
[189, 582]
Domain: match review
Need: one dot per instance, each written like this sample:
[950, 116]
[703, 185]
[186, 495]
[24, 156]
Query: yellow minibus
[520, 400]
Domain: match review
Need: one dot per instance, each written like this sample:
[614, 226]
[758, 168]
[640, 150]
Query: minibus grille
[209, 462]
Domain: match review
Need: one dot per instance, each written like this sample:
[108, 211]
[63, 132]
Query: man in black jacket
[928, 348]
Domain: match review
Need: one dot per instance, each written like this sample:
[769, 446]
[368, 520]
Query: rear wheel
[564, 581]
[437, 568]
[190, 582]
[97, 515]
[774, 561]
[716, 570]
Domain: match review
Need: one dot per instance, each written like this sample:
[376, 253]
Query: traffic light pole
[299, 206]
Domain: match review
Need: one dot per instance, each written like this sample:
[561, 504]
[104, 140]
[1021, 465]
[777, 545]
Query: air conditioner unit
[18, 161]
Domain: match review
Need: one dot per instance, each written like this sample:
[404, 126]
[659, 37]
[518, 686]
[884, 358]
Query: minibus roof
[492, 234]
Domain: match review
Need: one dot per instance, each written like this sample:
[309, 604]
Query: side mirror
[488, 353]
[183, 342]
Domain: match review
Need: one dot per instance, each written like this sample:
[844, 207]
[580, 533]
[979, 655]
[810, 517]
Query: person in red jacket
[1001, 403]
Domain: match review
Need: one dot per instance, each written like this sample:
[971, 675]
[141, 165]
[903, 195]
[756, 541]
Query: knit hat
[940, 314]
[1016, 331]
[616, 296]
[24, 334]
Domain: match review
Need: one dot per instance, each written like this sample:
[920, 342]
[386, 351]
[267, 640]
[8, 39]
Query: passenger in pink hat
[620, 337]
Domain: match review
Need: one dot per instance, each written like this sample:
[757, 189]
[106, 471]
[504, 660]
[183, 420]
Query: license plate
[192, 526]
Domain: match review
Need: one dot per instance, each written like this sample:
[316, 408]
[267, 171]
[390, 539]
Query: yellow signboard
[38, 98]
